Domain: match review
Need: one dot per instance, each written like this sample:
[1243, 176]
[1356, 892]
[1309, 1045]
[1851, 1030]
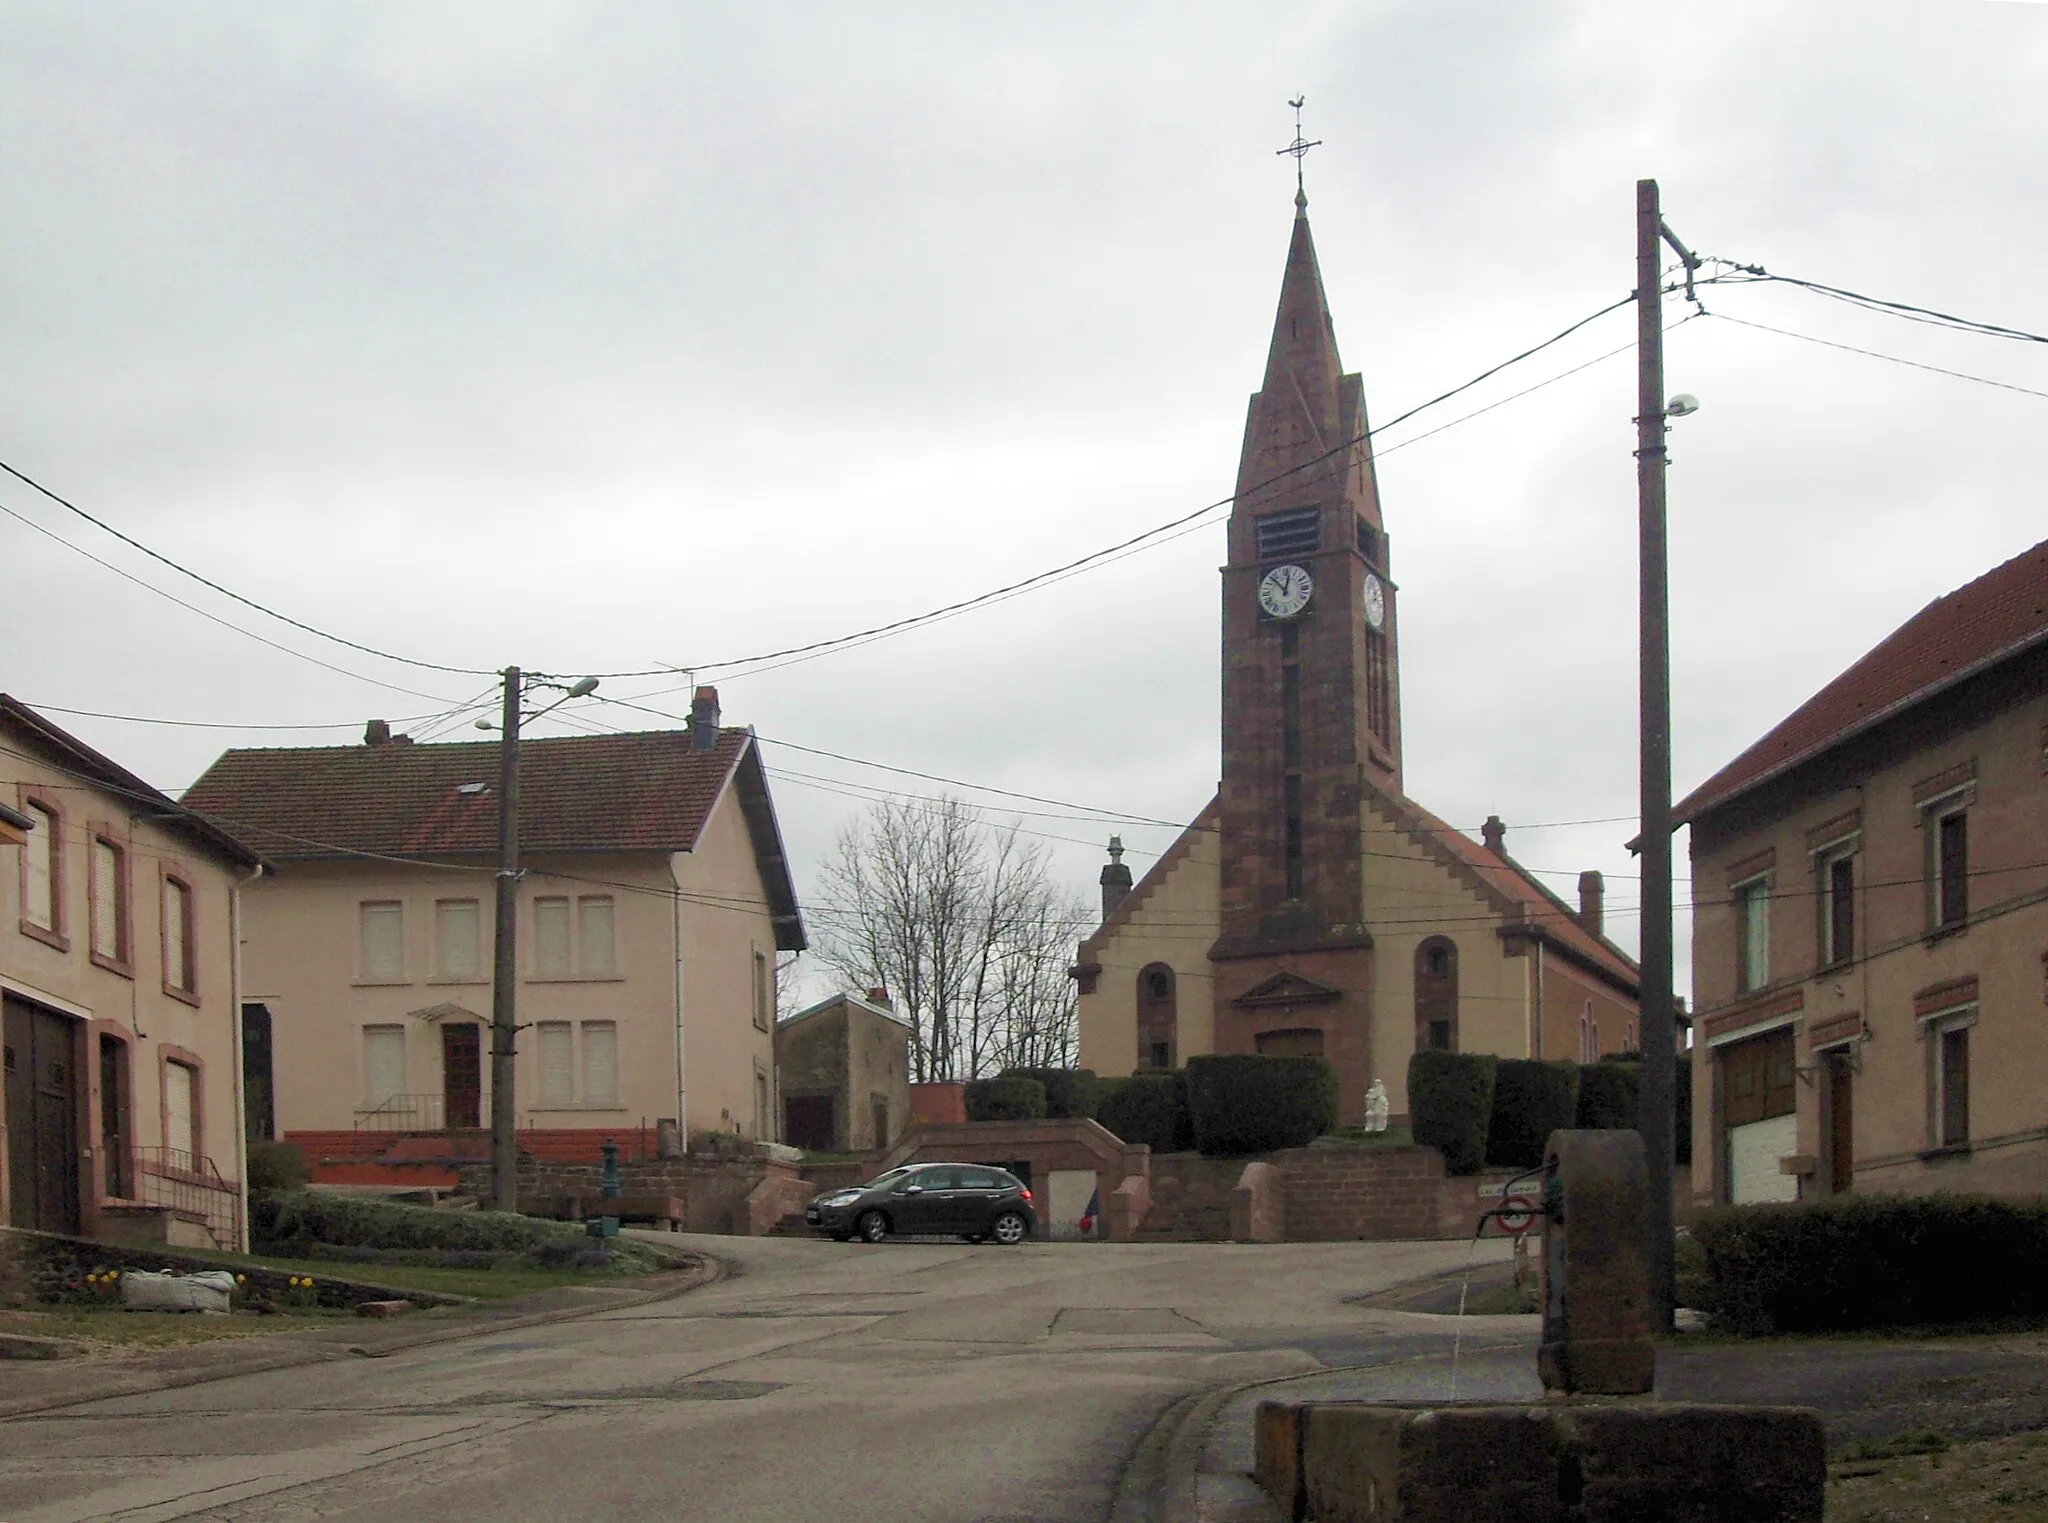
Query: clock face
[1285, 590]
[1375, 602]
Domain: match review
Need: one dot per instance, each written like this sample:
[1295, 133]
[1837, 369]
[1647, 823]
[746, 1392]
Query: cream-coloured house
[1870, 933]
[123, 1107]
[654, 895]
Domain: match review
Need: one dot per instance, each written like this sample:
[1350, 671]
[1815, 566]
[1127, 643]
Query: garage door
[1753, 1154]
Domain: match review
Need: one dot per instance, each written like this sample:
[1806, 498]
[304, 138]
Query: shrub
[1450, 1103]
[1531, 1099]
[1249, 1103]
[277, 1166]
[1609, 1094]
[1005, 1099]
[309, 1223]
[1868, 1261]
[1150, 1107]
[1069, 1092]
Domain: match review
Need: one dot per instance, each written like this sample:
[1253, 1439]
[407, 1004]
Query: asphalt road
[905, 1381]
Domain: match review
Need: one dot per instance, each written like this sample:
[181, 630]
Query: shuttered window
[1297, 531]
[383, 942]
[383, 1064]
[179, 971]
[557, 1063]
[109, 901]
[551, 938]
[597, 954]
[600, 1062]
[458, 928]
[39, 861]
[181, 1115]
[1952, 869]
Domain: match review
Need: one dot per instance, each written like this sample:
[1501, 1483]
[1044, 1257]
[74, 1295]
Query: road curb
[332, 1345]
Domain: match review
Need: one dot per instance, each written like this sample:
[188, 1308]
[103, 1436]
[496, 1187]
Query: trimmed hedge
[1005, 1099]
[1869, 1261]
[1531, 1099]
[1249, 1103]
[1151, 1107]
[1609, 1094]
[313, 1224]
[1069, 1092]
[1450, 1105]
[277, 1166]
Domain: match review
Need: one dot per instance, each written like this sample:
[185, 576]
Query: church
[1313, 907]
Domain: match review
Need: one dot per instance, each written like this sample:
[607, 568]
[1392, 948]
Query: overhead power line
[1828, 343]
[228, 592]
[1906, 310]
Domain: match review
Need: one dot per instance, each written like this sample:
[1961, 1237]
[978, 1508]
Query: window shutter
[383, 1064]
[106, 900]
[180, 1135]
[459, 924]
[383, 936]
[557, 1064]
[551, 938]
[40, 855]
[177, 934]
[600, 1062]
[599, 954]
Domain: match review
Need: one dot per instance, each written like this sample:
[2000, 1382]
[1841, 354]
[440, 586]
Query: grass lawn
[109, 1327]
[1927, 1478]
[1359, 1137]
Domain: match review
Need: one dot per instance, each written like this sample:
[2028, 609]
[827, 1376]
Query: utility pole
[505, 962]
[1656, 1118]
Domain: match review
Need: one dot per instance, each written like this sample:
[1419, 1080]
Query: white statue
[1376, 1107]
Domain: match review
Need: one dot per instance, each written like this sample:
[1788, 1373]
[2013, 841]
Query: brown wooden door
[1841, 1125]
[42, 1118]
[1758, 1079]
[462, 1077]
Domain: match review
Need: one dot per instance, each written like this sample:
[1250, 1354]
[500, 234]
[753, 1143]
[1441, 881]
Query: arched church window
[1436, 994]
[1158, 1017]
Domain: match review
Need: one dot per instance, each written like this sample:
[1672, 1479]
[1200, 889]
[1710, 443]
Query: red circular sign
[1517, 1215]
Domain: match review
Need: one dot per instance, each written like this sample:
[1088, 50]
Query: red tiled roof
[1510, 880]
[1994, 617]
[648, 791]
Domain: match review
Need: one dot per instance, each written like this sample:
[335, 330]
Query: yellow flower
[241, 1279]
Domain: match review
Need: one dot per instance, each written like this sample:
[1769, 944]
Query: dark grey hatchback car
[970, 1200]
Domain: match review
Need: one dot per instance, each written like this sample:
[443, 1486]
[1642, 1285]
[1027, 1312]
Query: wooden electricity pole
[505, 962]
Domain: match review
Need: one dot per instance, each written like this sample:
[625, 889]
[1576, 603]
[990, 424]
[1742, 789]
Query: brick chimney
[1116, 878]
[704, 719]
[377, 733]
[1495, 835]
[1592, 898]
[880, 997]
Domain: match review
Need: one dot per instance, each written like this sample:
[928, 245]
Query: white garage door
[1753, 1154]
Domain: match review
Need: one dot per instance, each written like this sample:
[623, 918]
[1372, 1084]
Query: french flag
[1087, 1222]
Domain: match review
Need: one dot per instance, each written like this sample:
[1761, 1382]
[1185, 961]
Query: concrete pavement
[903, 1381]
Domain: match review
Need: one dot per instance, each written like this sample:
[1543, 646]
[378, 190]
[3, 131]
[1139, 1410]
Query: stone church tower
[1313, 907]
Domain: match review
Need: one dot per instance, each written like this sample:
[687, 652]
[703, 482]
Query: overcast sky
[602, 337]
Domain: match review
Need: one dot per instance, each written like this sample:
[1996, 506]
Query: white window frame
[1932, 815]
[1824, 860]
[1752, 952]
[365, 974]
[764, 990]
[1937, 1026]
[476, 973]
[579, 965]
[386, 1030]
[42, 861]
[589, 1095]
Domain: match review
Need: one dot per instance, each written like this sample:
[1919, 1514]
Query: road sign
[1517, 1215]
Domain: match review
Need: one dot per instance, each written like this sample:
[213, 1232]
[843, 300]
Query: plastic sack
[142, 1290]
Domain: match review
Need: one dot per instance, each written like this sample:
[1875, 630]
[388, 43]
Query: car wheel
[872, 1226]
[1009, 1229]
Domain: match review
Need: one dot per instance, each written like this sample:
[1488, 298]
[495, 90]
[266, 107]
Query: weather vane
[1299, 150]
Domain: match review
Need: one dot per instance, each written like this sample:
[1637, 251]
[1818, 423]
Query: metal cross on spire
[1299, 150]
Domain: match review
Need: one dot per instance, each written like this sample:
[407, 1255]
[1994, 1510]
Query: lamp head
[1682, 405]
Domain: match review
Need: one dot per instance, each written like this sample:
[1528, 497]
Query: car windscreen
[884, 1181]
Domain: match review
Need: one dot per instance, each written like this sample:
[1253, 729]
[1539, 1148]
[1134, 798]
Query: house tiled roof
[1509, 880]
[647, 791]
[71, 754]
[1996, 616]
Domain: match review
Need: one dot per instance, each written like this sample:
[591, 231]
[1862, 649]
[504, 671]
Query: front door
[462, 1077]
[807, 1122]
[42, 1118]
[1841, 1125]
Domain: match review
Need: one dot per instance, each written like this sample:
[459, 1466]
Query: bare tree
[965, 926]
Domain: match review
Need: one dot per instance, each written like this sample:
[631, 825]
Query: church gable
[1287, 988]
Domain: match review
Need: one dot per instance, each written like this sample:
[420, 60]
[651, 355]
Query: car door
[925, 1201]
[980, 1195]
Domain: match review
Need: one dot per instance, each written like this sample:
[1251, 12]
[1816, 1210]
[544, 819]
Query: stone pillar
[1596, 1274]
[1116, 878]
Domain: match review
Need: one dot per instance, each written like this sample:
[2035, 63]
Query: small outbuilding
[843, 1067]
